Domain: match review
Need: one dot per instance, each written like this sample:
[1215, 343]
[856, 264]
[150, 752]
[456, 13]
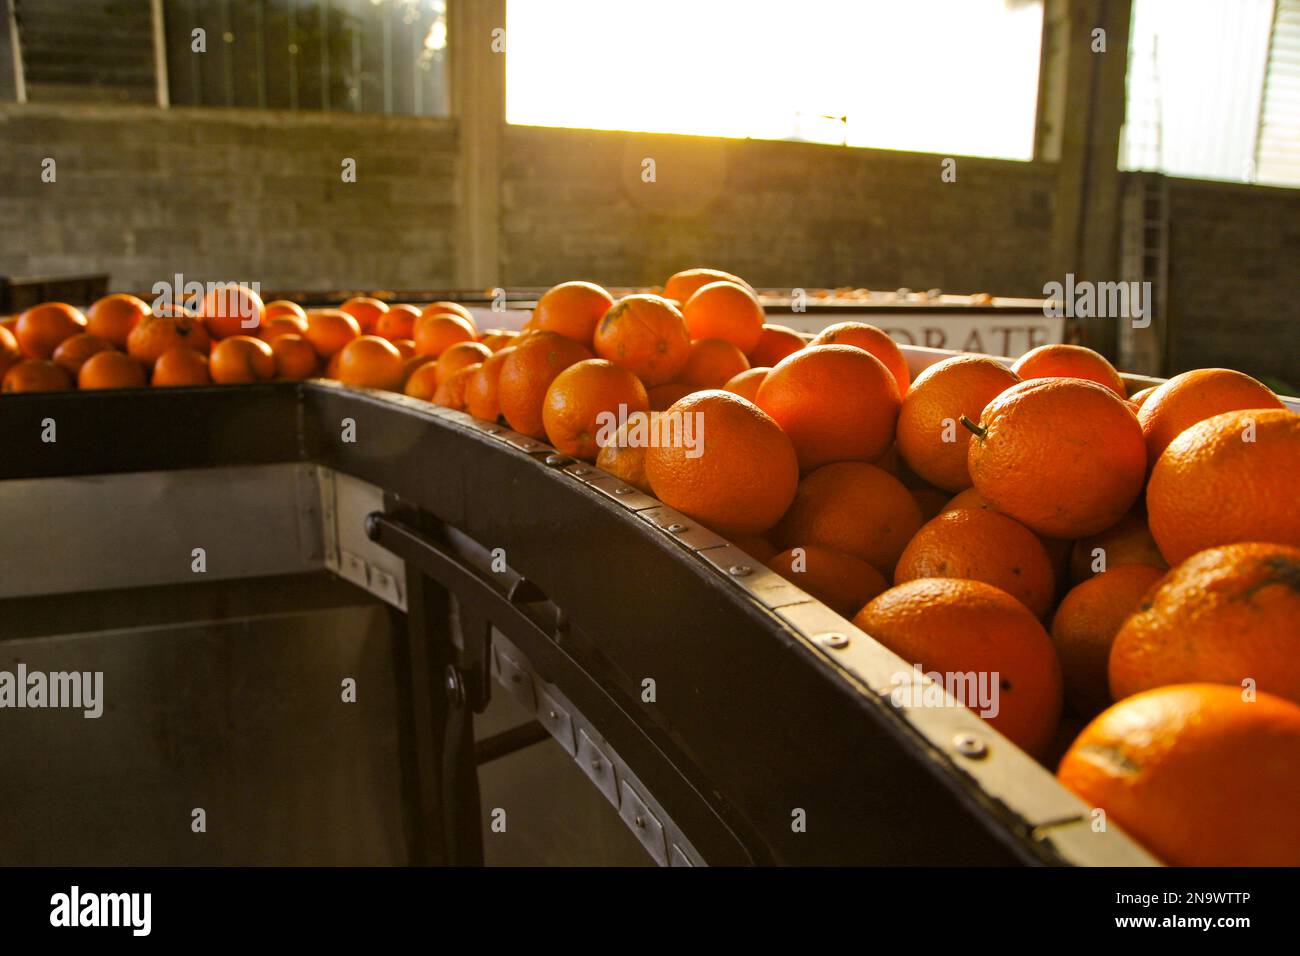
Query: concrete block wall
[220, 195]
[576, 205]
[1233, 296]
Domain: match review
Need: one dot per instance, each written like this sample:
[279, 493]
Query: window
[943, 76]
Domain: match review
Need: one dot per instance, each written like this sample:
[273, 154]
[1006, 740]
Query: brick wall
[144, 193]
[780, 214]
[1233, 254]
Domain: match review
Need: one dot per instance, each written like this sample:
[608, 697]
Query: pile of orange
[1133, 561]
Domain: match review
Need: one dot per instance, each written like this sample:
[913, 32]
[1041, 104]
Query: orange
[663, 397]
[1058, 549]
[930, 500]
[439, 331]
[682, 285]
[283, 308]
[746, 383]
[1197, 775]
[240, 359]
[712, 363]
[295, 359]
[155, 334]
[450, 308]
[725, 463]
[496, 339]
[774, 344]
[460, 355]
[10, 354]
[406, 347]
[1193, 397]
[982, 545]
[836, 402]
[422, 382]
[36, 375]
[1128, 541]
[232, 309]
[481, 399]
[365, 310]
[975, 632]
[970, 498]
[41, 328]
[451, 393]
[1069, 361]
[328, 330]
[853, 507]
[73, 352]
[873, 340]
[1084, 629]
[180, 365]
[1229, 478]
[114, 316]
[624, 454]
[587, 403]
[572, 309]
[840, 581]
[725, 310]
[527, 374]
[646, 335]
[930, 436]
[282, 324]
[1139, 398]
[111, 369]
[1223, 616]
[397, 323]
[371, 362]
[1063, 456]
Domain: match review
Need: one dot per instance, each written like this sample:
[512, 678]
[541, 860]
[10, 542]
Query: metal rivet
[832, 639]
[557, 461]
[582, 472]
[639, 821]
[740, 570]
[596, 766]
[624, 490]
[969, 745]
[676, 528]
[552, 715]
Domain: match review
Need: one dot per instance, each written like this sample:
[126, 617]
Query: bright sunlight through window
[943, 76]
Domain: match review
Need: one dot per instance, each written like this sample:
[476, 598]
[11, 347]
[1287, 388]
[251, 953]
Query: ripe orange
[853, 507]
[746, 384]
[682, 285]
[728, 464]
[1223, 616]
[36, 375]
[873, 340]
[624, 454]
[646, 335]
[1139, 398]
[365, 310]
[457, 356]
[371, 362]
[836, 402]
[930, 436]
[295, 359]
[111, 369]
[155, 334]
[585, 404]
[73, 352]
[982, 545]
[406, 347]
[180, 365]
[1227, 479]
[439, 331]
[41, 328]
[725, 310]
[283, 308]
[1069, 361]
[114, 316]
[1062, 456]
[422, 382]
[712, 363]
[240, 359]
[282, 324]
[970, 498]
[1128, 541]
[10, 354]
[1196, 774]
[451, 393]
[232, 309]
[1193, 397]
[496, 339]
[527, 374]
[1085, 625]
[972, 629]
[572, 309]
[774, 344]
[397, 323]
[328, 330]
[664, 397]
[481, 398]
[840, 581]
